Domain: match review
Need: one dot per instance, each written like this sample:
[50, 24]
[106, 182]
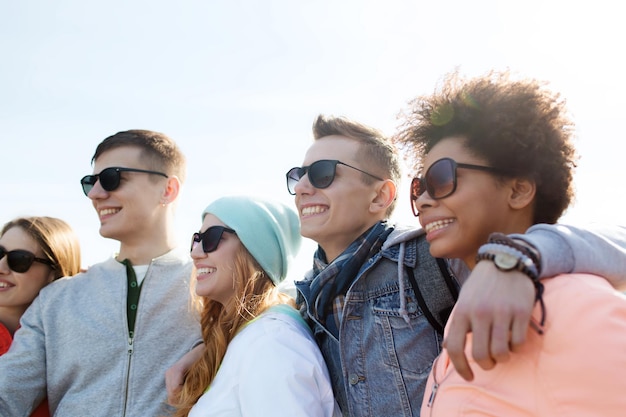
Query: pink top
[576, 368]
[5, 339]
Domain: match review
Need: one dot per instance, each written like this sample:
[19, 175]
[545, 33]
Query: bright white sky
[238, 84]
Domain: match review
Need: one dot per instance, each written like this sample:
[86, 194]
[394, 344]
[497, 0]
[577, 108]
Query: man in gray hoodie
[98, 343]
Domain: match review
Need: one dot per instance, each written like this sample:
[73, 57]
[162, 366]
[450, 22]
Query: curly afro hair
[517, 126]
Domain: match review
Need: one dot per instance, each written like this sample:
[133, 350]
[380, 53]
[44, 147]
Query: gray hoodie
[74, 345]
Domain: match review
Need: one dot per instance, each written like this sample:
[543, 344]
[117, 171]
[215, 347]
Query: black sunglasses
[440, 180]
[210, 238]
[110, 178]
[21, 260]
[321, 174]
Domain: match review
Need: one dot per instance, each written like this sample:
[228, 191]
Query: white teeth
[202, 271]
[106, 212]
[439, 224]
[4, 285]
[313, 210]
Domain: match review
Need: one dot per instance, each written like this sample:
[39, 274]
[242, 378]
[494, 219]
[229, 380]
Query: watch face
[505, 261]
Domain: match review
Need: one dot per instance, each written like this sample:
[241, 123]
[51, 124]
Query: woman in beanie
[259, 357]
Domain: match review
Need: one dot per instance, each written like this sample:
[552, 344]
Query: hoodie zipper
[436, 385]
[132, 305]
[131, 339]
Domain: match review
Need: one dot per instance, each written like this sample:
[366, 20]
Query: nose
[4, 266]
[197, 252]
[423, 202]
[97, 192]
[304, 185]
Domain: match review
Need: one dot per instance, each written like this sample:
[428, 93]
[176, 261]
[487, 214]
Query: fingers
[172, 395]
[519, 329]
[499, 348]
[495, 306]
[175, 375]
[481, 340]
[455, 345]
[173, 383]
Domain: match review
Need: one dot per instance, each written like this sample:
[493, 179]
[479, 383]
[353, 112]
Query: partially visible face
[18, 290]
[215, 270]
[131, 212]
[459, 224]
[335, 216]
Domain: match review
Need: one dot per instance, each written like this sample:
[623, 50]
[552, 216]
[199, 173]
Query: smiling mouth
[204, 271]
[307, 211]
[439, 224]
[106, 212]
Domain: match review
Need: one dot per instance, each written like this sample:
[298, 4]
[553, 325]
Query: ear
[170, 193]
[523, 192]
[51, 275]
[385, 195]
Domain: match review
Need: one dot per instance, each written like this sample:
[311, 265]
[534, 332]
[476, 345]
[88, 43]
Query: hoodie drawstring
[402, 311]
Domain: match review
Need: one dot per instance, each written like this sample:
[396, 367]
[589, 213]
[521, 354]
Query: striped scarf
[332, 281]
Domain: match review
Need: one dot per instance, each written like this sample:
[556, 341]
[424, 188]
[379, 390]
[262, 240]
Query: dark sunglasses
[21, 260]
[210, 238]
[110, 178]
[440, 180]
[321, 174]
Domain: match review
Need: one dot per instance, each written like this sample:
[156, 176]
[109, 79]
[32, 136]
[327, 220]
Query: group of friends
[487, 307]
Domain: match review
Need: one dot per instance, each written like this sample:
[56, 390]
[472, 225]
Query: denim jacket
[386, 347]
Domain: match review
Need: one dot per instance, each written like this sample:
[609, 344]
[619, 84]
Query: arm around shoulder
[598, 250]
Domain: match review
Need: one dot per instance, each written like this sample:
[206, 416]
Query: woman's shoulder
[279, 329]
[583, 312]
[277, 322]
[570, 291]
[583, 343]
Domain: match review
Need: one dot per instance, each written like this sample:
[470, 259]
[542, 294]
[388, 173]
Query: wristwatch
[502, 261]
[505, 261]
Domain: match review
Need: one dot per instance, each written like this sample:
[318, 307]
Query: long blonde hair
[255, 293]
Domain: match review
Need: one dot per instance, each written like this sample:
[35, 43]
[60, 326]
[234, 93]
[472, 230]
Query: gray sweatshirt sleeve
[22, 368]
[598, 250]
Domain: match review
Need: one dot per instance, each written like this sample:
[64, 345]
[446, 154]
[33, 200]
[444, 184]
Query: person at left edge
[34, 252]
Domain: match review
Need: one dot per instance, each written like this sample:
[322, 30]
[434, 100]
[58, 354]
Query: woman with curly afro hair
[495, 157]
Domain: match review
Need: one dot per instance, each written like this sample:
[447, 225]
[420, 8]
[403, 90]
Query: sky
[238, 83]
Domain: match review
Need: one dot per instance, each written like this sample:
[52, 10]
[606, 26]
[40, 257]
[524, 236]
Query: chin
[202, 292]
[439, 249]
[307, 232]
[111, 234]
[106, 233]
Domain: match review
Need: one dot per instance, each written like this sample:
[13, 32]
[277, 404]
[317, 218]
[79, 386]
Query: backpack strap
[436, 290]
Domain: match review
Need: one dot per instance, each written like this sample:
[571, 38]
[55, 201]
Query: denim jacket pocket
[410, 342]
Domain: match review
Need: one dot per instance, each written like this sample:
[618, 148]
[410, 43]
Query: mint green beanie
[269, 230]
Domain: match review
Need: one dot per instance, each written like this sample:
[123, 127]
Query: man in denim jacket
[376, 340]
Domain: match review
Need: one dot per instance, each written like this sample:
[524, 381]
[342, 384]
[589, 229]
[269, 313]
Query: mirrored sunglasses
[110, 178]
[21, 260]
[321, 174]
[440, 180]
[210, 238]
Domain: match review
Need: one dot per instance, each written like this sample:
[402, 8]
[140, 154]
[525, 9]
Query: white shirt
[273, 367]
